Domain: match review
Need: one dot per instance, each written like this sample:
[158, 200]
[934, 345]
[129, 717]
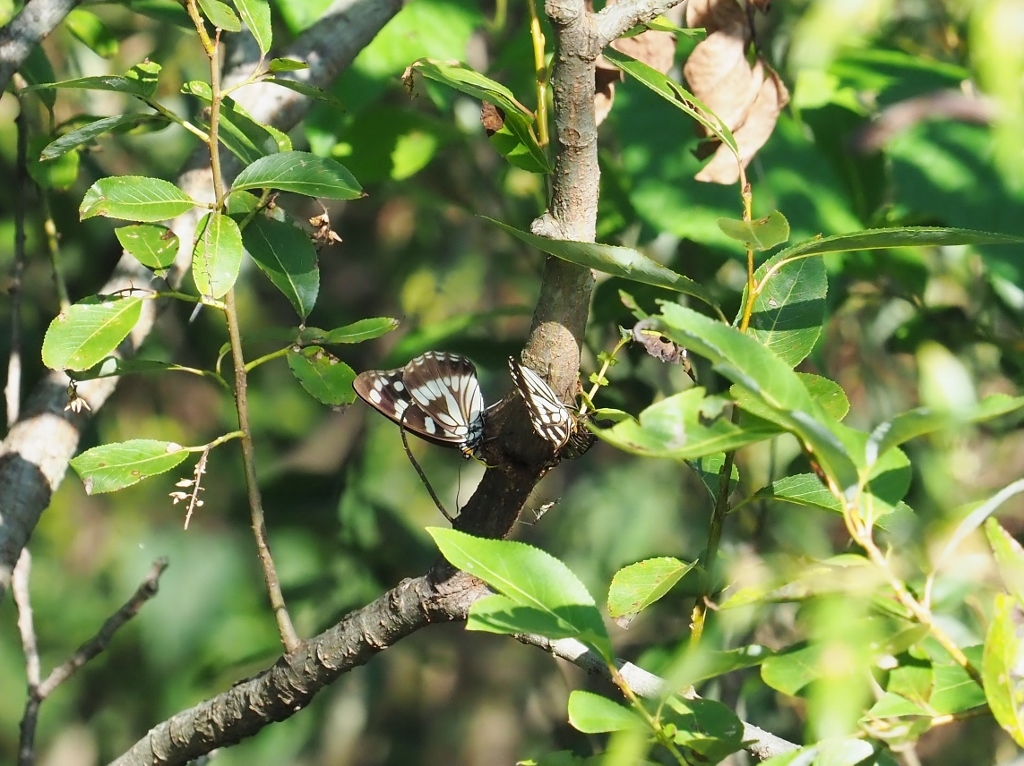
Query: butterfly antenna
[423, 476]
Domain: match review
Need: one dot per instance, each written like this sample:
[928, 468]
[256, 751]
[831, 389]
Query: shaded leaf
[141, 80]
[593, 714]
[762, 234]
[707, 727]
[88, 28]
[96, 128]
[357, 332]
[286, 255]
[905, 236]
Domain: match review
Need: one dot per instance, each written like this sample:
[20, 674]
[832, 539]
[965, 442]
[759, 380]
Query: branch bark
[37, 19]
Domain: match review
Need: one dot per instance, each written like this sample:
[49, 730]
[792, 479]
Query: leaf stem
[231, 435]
[250, 366]
[659, 731]
[289, 637]
[541, 72]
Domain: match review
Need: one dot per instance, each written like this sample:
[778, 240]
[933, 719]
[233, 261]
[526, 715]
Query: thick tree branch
[34, 456]
[36, 20]
[290, 685]
[615, 19]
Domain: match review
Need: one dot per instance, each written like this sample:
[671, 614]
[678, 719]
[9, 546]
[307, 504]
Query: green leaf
[845, 573]
[325, 377]
[116, 466]
[36, 70]
[220, 15]
[519, 144]
[904, 236]
[60, 173]
[707, 727]
[285, 254]
[529, 578]
[700, 664]
[892, 705]
[924, 420]
[674, 93]
[680, 428]
[241, 134]
[287, 65]
[790, 671]
[217, 256]
[827, 393]
[762, 234]
[166, 11]
[89, 331]
[256, 15]
[954, 690]
[135, 198]
[310, 91]
[141, 81]
[96, 128]
[974, 514]
[746, 362]
[637, 586]
[1009, 556]
[112, 366]
[153, 246]
[1001, 668]
[804, 489]
[789, 312]
[617, 261]
[88, 28]
[357, 332]
[301, 173]
[593, 714]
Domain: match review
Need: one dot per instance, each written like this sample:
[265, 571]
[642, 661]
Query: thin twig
[289, 637]
[53, 248]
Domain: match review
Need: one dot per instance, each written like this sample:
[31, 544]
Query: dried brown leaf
[718, 74]
[717, 15]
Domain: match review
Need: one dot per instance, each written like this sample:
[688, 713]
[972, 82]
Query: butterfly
[551, 419]
[435, 396]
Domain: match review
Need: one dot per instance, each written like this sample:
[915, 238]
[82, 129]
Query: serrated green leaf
[96, 128]
[256, 15]
[905, 236]
[135, 198]
[88, 28]
[60, 173]
[301, 173]
[285, 254]
[217, 256]
[762, 234]
[954, 690]
[325, 377]
[116, 466]
[755, 368]
[637, 586]
[707, 727]
[531, 578]
[141, 80]
[1001, 668]
[357, 332]
[678, 428]
[789, 312]
[89, 331]
[245, 138]
[593, 714]
[310, 91]
[618, 261]
[287, 65]
[153, 246]
[220, 15]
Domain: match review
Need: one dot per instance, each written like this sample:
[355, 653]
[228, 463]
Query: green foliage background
[345, 511]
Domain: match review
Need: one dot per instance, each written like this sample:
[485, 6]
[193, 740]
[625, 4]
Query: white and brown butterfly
[435, 396]
[551, 419]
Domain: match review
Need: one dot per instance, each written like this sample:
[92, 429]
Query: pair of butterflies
[437, 397]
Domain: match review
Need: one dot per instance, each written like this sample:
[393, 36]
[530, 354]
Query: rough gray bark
[24, 32]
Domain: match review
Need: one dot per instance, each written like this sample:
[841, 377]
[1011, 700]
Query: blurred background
[345, 510]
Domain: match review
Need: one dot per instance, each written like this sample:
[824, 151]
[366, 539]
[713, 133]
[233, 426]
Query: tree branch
[35, 453]
[614, 19]
[36, 20]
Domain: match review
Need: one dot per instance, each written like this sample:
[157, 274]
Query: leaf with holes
[326, 378]
[116, 466]
[89, 331]
[153, 246]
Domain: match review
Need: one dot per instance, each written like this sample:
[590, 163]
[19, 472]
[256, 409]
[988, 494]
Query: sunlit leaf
[115, 466]
[357, 332]
[762, 234]
[153, 246]
[593, 714]
[287, 256]
[135, 198]
[325, 377]
[87, 133]
[301, 173]
[256, 15]
[89, 331]
[637, 586]
[217, 256]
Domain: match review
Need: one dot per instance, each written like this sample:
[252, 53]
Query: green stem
[231, 435]
[250, 366]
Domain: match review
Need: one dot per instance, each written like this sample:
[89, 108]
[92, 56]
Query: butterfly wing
[445, 387]
[551, 419]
